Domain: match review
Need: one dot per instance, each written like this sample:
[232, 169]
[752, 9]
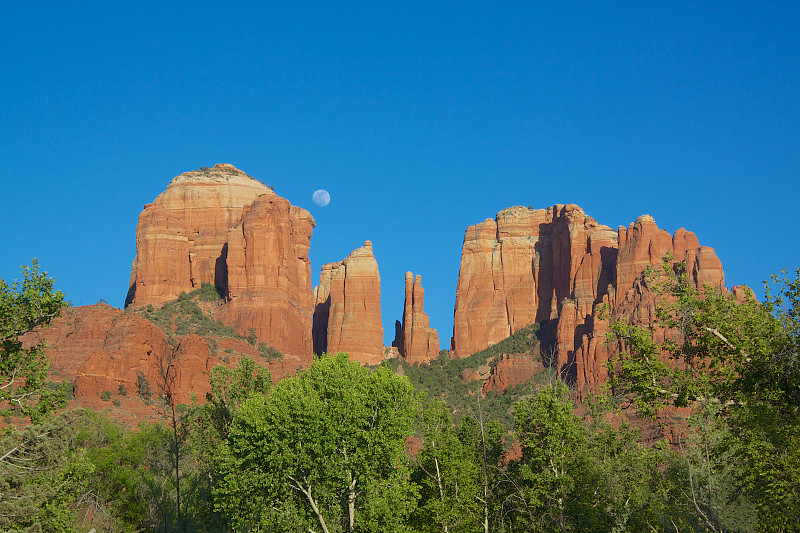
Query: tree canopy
[25, 305]
[324, 451]
[733, 360]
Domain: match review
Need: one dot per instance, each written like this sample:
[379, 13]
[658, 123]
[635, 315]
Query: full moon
[321, 197]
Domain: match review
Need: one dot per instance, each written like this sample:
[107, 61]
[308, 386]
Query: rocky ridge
[536, 265]
[556, 267]
[107, 354]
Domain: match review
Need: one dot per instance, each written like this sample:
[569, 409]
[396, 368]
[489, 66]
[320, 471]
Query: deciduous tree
[24, 306]
[325, 451]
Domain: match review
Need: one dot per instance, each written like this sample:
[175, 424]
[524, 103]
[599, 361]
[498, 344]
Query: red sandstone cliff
[558, 263]
[517, 269]
[347, 314]
[414, 338]
[221, 226]
[269, 275]
[98, 348]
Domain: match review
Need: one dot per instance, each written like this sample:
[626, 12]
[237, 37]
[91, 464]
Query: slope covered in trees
[344, 448]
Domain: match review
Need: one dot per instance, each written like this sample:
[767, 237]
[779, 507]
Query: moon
[321, 197]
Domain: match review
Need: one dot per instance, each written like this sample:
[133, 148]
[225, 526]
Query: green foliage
[105, 395]
[447, 474]
[441, 378]
[210, 425]
[80, 471]
[579, 475]
[740, 357]
[268, 352]
[699, 489]
[229, 389]
[549, 435]
[26, 305]
[208, 292]
[185, 316]
[143, 387]
[522, 341]
[459, 471]
[329, 445]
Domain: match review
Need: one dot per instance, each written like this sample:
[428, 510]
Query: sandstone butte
[414, 338]
[221, 226]
[347, 310]
[535, 265]
[99, 348]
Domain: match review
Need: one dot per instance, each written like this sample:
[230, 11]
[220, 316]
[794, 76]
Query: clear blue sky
[419, 118]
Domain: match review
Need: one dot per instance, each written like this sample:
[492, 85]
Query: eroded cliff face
[347, 314]
[221, 226]
[642, 245]
[531, 265]
[518, 268]
[181, 237]
[414, 338]
[269, 275]
[98, 348]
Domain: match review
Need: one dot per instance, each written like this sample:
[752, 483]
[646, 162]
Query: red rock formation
[224, 227]
[517, 269]
[269, 275]
[322, 308]
[99, 348]
[350, 294]
[510, 371]
[533, 265]
[181, 236]
[642, 245]
[415, 340]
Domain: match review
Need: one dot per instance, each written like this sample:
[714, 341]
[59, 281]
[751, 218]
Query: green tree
[325, 451]
[483, 439]
[550, 437]
[579, 475]
[740, 356]
[618, 478]
[210, 425]
[24, 306]
[448, 476]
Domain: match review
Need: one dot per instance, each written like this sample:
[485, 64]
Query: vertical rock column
[415, 340]
[269, 275]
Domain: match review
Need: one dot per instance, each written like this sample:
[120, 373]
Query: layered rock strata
[221, 226]
[531, 265]
[414, 338]
[347, 310]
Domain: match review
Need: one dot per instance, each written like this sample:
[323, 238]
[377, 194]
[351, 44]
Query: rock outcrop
[221, 226]
[531, 265]
[347, 310]
[518, 268]
[98, 348]
[414, 338]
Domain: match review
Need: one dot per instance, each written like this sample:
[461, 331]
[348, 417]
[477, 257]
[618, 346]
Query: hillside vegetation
[442, 378]
[345, 448]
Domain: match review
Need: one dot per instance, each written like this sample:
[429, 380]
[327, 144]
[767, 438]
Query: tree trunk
[306, 490]
[351, 502]
[441, 489]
